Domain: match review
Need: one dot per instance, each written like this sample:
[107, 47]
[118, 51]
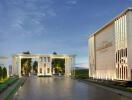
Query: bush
[1, 73]
[4, 73]
[82, 73]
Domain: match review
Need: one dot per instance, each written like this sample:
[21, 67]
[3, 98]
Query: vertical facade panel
[121, 43]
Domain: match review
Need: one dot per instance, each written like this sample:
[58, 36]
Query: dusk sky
[45, 26]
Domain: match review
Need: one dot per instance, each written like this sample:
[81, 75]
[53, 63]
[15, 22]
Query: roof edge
[111, 21]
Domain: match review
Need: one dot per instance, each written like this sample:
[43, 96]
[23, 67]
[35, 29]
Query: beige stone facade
[110, 49]
[44, 63]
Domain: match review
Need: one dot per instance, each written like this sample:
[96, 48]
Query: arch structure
[44, 63]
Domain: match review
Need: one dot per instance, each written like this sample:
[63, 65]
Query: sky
[45, 26]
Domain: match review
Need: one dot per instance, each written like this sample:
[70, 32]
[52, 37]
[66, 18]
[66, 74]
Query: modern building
[44, 63]
[110, 49]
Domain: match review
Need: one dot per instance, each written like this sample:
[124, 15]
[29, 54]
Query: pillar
[19, 67]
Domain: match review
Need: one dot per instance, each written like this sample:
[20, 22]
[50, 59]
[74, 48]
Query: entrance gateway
[44, 63]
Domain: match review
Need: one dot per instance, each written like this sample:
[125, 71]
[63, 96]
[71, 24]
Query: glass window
[40, 70]
[41, 59]
[48, 70]
[48, 59]
[44, 59]
[44, 64]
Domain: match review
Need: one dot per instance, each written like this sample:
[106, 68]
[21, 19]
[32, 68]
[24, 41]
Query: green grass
[81, 73]
[129, 88]
[13, 91]
[7, 82]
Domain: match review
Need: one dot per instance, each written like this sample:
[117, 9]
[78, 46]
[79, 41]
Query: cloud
[73, 2]
[25, 17]
[51, 12]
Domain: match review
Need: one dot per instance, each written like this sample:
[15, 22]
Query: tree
[35, 66]
[26, 64]
[1, 73]
[26, 52]
[54, 53]
[58, 65]
[4, 73]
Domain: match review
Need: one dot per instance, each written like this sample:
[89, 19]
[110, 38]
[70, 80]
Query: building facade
[110, 55]
[44, 63]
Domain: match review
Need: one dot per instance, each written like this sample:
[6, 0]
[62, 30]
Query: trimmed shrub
[1, 73]
[4, 73]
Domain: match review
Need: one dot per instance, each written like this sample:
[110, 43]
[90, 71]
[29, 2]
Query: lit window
[48, 59]
[48, 70]
[40, 70]
[44, 64]
[41, 59]
[44, 59]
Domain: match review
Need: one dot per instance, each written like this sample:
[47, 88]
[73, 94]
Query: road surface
[60, 88]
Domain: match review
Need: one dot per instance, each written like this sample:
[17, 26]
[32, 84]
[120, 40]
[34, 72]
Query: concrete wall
[129, 43]
[92, 66]
[105, 53]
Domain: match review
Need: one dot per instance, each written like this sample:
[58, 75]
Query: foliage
[26, 64]
[54, 53]
[4, 73]
[35, 66]
[26, 52]
[1, 73]
[58, 65]
[81, 73]
[8, 82]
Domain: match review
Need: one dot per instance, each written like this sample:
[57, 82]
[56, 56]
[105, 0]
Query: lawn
[7, 82]
[81, 73]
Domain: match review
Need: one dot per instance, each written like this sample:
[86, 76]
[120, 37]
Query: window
[40, 70]
[48, 70]
[126, 52]
[41, 59]
[116, 57]
[44, 59]
[48, 59]
[44, 64]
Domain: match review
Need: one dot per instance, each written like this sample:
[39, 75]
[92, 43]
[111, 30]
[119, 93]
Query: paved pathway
[59, 88]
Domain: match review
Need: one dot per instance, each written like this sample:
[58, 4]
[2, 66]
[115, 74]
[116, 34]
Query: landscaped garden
[3, 74]
[81, 73]
[9, 81]
[4, 80]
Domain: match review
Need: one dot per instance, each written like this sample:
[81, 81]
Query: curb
[117, 91]
[14, 90]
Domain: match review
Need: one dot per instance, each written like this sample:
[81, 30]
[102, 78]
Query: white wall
[105, 53]
[129, 41]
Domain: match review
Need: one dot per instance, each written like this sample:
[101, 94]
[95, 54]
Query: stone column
[19, 67]
[73, 65]
[14, 66]
[67, 66]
